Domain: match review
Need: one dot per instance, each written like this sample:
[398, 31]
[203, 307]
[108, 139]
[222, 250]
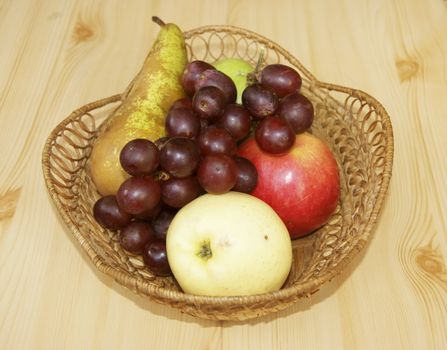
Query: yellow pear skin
[143, 109]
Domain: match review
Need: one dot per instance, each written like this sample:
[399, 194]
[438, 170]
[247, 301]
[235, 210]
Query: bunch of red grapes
[198, 155]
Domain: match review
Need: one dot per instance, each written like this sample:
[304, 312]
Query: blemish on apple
[225, 242]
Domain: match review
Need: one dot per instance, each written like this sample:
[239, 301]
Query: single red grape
[156, 258]
[192, 73]
[183, 102]
[179, 157]
[215, 140]
[151, 213]
[178, 192]
[182, 122]
[281, 79]
[259, 101]
[298, 111]
[209, 102]
[217, 173]
[236, 120]
[139, 157]
[274, 135]
[135, 236]
[138, 195]
[247, 175]
[109, 215]
[213, 77]
[161, 222]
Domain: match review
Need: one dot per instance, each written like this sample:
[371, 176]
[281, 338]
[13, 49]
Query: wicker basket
[354, 125]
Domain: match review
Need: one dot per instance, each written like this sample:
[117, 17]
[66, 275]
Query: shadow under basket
[354, 125]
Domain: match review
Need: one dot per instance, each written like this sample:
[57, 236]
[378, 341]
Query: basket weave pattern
[354, 125]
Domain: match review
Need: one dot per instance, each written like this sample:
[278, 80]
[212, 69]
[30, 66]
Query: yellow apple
[228, 244]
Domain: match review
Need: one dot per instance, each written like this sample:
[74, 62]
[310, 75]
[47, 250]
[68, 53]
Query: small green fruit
[237, 69]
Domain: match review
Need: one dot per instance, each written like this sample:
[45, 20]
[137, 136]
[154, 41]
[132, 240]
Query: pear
[142, 112]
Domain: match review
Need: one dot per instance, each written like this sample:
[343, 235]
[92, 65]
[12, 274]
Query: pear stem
[158, 20]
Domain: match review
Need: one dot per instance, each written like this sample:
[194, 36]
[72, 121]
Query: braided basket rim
[141, 286]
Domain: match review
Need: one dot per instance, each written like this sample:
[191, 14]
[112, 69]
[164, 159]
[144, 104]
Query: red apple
[302, 186]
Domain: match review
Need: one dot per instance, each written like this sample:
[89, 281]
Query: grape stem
[252, 78]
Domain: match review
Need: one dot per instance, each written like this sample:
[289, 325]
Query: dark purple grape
[259, 101]
[223, 82]
[182, 122]
[156, 258]
[179, 157]
[161, 223]
[139, 157]
[247, 175]
[135, 236]
[192, 73]
[274, 135]
[209, 102]
[236, 120]
[217, 173]
[139, 194]
[183, 102]
[178, 192]
[282, 80]
[298, 111]
[215, 140]
[109, 215]
[151, 213]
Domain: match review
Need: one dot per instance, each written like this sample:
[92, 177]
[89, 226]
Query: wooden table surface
[57, 55]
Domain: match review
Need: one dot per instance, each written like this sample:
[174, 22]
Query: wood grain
[57, 55]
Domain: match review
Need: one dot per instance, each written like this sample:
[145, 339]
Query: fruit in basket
[209, 102]
[236, 120]
[228, 244]
[212, 77]
[155, 257]
[215, 140]
[161, 222]
[182, 122]
[274, 135]
[179, 157]
[192, 73]
[139, 157]
[259, 101]
[217, 173]
[237, 69]
[138, 195]
[302, 186]
[109, 215]
[143, 109]
[135, 236]
[297, 110]
[177, 192]
[247, 175]
[281, 79]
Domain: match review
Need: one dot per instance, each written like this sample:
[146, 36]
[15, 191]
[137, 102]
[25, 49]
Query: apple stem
[205, 251]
